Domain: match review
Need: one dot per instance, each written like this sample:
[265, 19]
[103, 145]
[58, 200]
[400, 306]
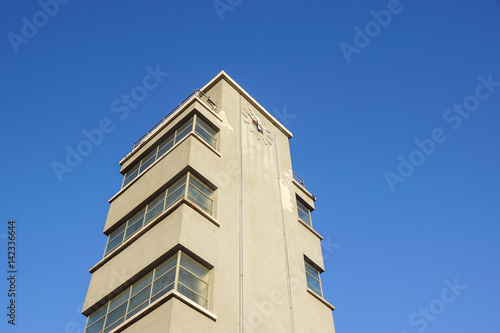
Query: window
[193, 125]
[188, 187]
[179, 272]
[304, 213]
[313, 279]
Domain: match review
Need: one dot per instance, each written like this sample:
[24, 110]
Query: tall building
[211, 230]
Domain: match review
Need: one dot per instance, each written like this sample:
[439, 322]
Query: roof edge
[225, 76]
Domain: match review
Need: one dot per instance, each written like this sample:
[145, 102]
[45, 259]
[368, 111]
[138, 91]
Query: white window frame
[188, 185]
[177, 257]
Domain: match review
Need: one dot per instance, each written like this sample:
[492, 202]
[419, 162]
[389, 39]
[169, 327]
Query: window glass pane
[304, 217]
[135, 223]
[117, 232]
[312, 282]
[200, 198]
[166, 141]
[204, 126]
[156, 200]
[132, 228]
[148, 160]
[314, 289]
[187, 125]
[115, 317]
[302, 206]
[183, 130]
[137, 309]
[114, 243]
[118, 300]
[141, 284]
[128, 180]
[166, 145]
[155, 207]
[195, 268]
[115, 238]
[304, 212]
[129, 176]
[176, 185]
[312, 276]
[164, 278]
[200, 186]
[139, 298]
[137, 216]
[96, 315]
[192, 282]
[205, 131]
[312, 271]
[205, 136]
[162, 292]
[174, 196]
[192, 295]
[96, 328]
[163, 281]
[166, 266]
[132, 170]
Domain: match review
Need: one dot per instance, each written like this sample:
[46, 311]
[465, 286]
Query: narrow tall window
[304, 212]
[179, 272]
[313, 279]
[188, 187]
[193, 125]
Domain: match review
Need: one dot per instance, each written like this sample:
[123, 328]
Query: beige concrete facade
[252, 241]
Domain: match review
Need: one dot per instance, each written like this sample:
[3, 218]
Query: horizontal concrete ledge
[192, 134]
[150, 225]
[308, 227]
[321, 299]
[306, 192]
[171, 294]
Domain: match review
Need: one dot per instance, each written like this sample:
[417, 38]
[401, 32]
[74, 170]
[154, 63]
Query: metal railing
[299, 179]
[198, 93]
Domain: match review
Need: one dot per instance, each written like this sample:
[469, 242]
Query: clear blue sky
[356, 102]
